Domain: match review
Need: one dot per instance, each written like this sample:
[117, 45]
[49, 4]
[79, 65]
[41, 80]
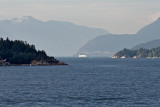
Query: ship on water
[82, 56]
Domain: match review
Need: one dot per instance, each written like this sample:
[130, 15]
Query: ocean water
[85, 82]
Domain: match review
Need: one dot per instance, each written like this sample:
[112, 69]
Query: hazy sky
[116, 16]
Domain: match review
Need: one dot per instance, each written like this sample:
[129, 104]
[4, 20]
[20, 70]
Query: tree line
[142, 52]
[21, 52]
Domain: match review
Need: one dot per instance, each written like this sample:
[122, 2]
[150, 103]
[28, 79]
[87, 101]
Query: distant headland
[139, 53]
[17, 52]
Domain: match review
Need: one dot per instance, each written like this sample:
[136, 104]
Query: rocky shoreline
[140, 53]
[134, 57]
[33, 63]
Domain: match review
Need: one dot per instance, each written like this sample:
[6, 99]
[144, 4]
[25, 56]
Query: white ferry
[82, 56]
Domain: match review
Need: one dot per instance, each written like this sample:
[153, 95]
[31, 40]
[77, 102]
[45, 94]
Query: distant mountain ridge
[150, 32]
[55, 37]
[148, 45]
[108, 45]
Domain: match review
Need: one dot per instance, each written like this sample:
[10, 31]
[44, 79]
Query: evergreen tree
[20, 52]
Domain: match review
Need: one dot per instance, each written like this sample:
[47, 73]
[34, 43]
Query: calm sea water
[85, 82]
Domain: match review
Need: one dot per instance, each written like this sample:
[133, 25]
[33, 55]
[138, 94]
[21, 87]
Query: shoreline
[60, 64]
[139, 58]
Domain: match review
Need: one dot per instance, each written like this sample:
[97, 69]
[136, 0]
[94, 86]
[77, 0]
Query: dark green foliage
[20, 52]
[126, 52]
[154, 52]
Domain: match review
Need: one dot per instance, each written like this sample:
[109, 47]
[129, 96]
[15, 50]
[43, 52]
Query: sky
[116, 16]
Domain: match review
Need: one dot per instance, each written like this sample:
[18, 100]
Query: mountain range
[148, 45]
[57, 38]
[109, 44]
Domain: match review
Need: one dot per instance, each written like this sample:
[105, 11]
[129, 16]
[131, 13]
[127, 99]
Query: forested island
[19, 52]
[139, 53]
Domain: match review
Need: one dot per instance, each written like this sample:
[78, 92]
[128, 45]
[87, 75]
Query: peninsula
[139, 53]
[19, 52]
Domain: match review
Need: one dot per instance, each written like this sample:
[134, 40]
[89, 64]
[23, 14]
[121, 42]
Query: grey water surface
[85, 82]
